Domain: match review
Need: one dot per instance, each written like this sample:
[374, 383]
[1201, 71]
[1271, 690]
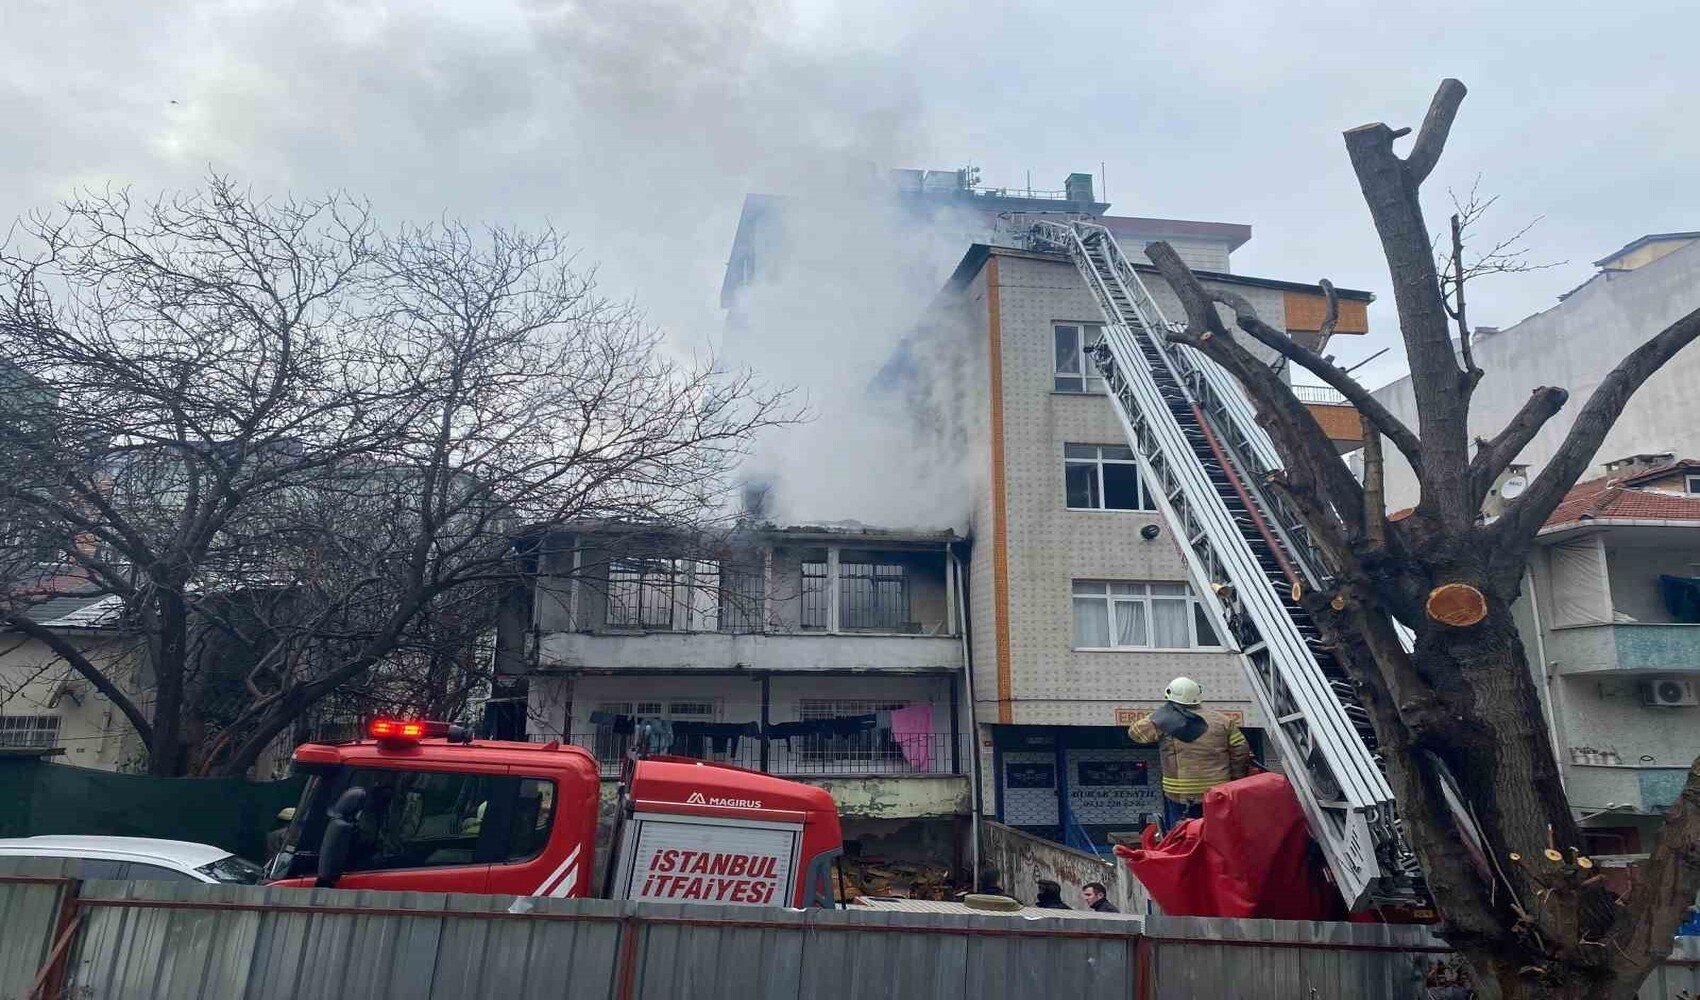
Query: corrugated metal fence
[158, 940]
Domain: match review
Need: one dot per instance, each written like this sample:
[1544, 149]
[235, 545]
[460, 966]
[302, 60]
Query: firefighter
[1200, 748]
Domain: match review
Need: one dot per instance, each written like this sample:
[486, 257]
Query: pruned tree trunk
[1518, 895]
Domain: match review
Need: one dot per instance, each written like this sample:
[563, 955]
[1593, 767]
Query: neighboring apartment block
[1079, 603]
[1637, 291]
[831, 655]
[1611, 623]
[46, 707]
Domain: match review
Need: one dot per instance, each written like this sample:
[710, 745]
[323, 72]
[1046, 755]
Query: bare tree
[1540, 922]
[297, 448]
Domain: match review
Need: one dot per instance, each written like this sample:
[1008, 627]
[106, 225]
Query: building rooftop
[976, 256]
[1641, 241]
[1625, 498]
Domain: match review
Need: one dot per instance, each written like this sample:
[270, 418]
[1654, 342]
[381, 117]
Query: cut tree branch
[1530, 511]
[1310, 459]
[1437, 124]
[1492, 457]
[1367, 405]
[1391, 190]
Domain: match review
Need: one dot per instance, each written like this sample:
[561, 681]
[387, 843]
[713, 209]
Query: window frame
[1147, 503]
[20, 725]
[493, 830]
[1090, 384]
[1691, 483]
[1143, 600]
[879, 583]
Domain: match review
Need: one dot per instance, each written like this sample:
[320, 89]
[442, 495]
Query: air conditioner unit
[1668, 693]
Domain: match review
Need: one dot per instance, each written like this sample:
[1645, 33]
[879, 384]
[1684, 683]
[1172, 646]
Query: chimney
[1078, 187]
[1633, 465]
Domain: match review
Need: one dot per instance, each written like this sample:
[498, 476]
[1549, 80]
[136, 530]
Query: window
[417, 819]
[873, 596]
[1075, 371]
[1103, 477]
[1691, 484]
[815, 593]
[534, 811]
[1139, 616]
[157, 873]
[666, 594]
[640, 593]
[29, 731]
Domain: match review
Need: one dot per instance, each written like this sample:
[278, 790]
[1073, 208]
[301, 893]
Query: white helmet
[1184, 691]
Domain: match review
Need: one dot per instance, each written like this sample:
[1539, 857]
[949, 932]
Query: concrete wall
[1574, 345]
[34, 681]
[1023, 859]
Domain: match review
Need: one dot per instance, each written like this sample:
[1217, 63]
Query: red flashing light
[404, 731]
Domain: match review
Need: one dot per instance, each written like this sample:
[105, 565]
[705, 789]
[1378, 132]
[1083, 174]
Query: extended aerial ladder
[1249, 557]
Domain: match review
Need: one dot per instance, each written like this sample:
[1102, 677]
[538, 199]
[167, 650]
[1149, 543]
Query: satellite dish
[1513, 486]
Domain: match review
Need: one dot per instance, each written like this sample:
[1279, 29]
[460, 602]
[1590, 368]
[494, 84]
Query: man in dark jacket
[1097, 898]
[1050, 896]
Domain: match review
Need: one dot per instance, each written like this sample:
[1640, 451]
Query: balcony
[1626, 789]
[717, 652]
[927, 755]
[1625, 647]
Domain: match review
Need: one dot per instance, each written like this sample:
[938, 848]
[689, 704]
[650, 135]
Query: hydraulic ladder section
[1197, 443]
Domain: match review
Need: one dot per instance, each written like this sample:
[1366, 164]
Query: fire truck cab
[423, 807]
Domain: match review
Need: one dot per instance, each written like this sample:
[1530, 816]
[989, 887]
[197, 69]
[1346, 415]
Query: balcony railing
[866, 754]
[1326, 395]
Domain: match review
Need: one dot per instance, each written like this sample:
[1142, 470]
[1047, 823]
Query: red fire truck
[422, 806]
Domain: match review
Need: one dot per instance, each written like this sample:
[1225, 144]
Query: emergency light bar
[409, 730]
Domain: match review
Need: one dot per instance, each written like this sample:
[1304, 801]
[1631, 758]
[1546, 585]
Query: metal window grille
[873, 596]
[815, 595]
[852, 751]
[640, 593]
[40, 731]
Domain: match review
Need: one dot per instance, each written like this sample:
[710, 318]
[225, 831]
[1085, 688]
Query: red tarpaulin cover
[1249, 856]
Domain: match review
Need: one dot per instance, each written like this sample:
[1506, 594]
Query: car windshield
[231, 868]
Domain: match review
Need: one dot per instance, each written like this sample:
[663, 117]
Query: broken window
[1074, 370]
[1116, 615]
[1103, 477]
[640, 593]
[873, 595]
[815, 595]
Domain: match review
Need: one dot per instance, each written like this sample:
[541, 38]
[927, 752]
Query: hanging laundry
[912, 730]
[620, 725]
[722, 737]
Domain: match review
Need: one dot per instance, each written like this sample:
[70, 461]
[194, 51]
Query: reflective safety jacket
[1220, 753]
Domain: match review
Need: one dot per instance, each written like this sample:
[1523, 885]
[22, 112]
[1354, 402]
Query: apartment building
[46, 707]
[1610, 619]
[1635, 292]
[828, 654]
[1617, 660]
[1079, 603]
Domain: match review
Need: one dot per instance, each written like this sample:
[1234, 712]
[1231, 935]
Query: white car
[136, 859]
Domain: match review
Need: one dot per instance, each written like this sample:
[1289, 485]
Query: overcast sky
[637, 125]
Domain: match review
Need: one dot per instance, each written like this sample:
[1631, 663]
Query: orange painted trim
[1000, 496]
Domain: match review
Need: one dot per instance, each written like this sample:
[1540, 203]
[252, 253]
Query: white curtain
[1580, 592]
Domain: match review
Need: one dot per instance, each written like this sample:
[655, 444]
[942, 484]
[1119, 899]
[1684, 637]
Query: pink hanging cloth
[912, 730]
